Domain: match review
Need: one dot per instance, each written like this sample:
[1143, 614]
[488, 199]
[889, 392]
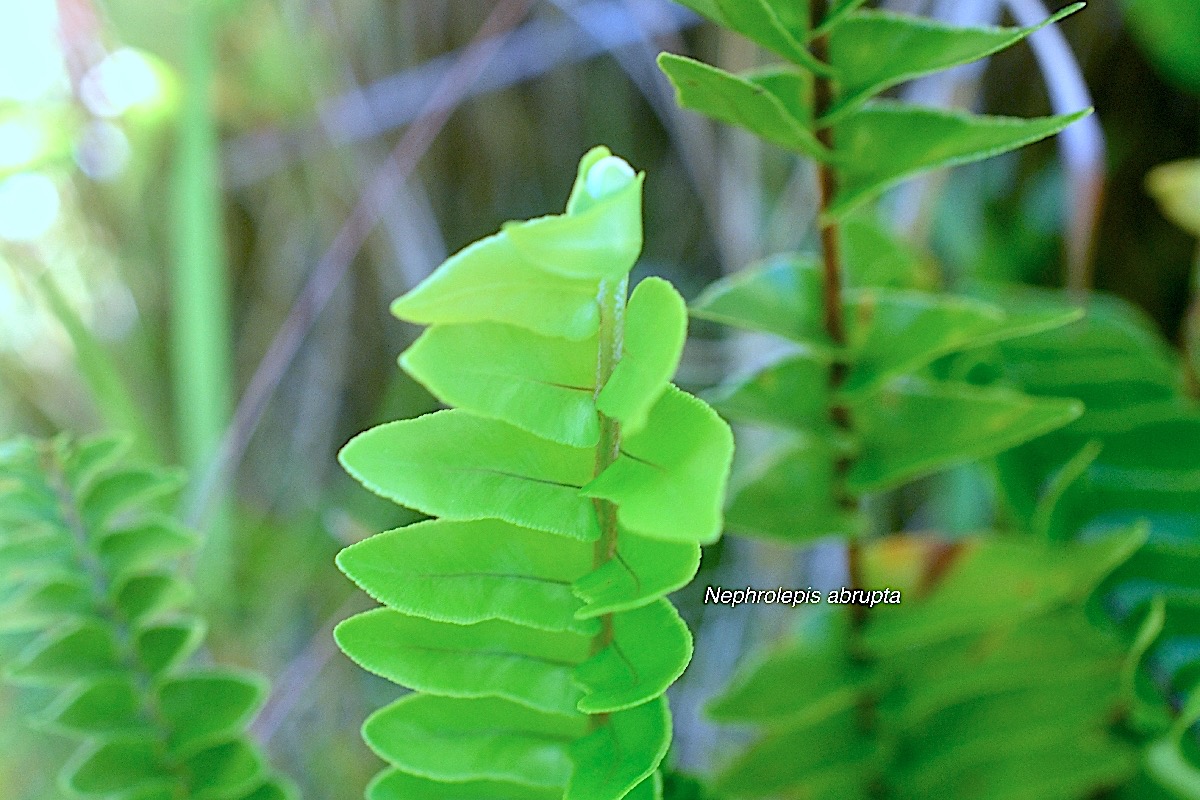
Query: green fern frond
[573, 485]
[89, 581]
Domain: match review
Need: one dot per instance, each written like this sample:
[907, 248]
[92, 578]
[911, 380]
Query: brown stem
[831, 259]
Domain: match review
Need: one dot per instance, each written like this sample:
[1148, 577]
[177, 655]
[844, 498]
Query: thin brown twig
[329, 271]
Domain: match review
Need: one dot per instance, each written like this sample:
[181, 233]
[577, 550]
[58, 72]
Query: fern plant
[89, 581]
[572, 485]
[1130, 457]
[932, 699]
[857, 408]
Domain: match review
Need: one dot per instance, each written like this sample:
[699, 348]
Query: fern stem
[611, 298]
[831, 259]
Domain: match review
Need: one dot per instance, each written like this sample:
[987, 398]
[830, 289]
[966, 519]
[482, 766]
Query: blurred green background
[205, 209]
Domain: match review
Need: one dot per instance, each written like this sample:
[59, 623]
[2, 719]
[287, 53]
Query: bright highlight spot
[29, 205]
[123, 80]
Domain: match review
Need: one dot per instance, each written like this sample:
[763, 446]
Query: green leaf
[396, 785]
[468, 572]
[46, 602]
[163, 645]
[643, 569]
[792, 393]
[487, 659]
[875, 50]
[886, 142]
[650, 648]
[615, 757]
[120, 490]
[450, 739]
[116, 765]
[224, 770]
[102, 706]
[455, 465]
[599, 243]
[781, 296]
[489, 281]
[747, 102]
[1167, 30]
[204, 707]
[655, 330]
[142, 597]
[914, 428]
[893, 332]
[669, 479]
[540, 384]
[78, 650]
[777, 25]
[90, 458]
[145, 544]
[788, 494]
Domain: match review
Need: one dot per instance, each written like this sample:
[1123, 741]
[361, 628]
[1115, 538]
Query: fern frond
[89, 579]
[573, 485]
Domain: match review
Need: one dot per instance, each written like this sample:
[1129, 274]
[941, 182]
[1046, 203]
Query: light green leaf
[649, 650]
[487, 659]
[203, 707]
[600, 243]
[875, 50]
[642, 570]
[489, 281]
[746, 102]
[455, 465]
[396, 785]
[649, 789]
[781, 296]
[670, 478]
[541, 384]
[451, 739]
[115, 765]
[655, 330]
[617, 756]
[468, 572]
[1176, 187]
[886, 142]
[915, 428]
[778, 25]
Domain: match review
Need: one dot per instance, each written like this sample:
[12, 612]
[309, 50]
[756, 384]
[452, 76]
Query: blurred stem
[823, 93]
[199, 292]
[112, 397]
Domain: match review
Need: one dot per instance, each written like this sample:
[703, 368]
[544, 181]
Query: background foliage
[207, 210]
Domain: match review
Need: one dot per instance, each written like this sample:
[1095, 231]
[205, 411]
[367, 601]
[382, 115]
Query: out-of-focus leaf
[1176, 187]
[874, 50]
[913, 428]
[884, 143]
